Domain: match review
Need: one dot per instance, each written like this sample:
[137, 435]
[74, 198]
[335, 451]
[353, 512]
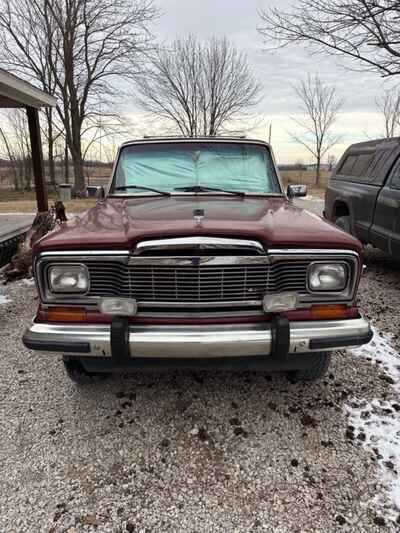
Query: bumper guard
[121, 342]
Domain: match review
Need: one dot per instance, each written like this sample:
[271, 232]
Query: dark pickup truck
[363, 196]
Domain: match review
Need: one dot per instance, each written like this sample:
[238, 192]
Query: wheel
[79, 375]
[344, 223]
[319, 364]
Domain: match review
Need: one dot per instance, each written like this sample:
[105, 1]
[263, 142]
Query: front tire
[77, 373]
[319, 364]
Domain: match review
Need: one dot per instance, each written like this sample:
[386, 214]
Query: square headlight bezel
[69, 265]
[340, 291]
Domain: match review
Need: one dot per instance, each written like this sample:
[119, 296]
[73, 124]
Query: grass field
[25, 202]
[306, 177]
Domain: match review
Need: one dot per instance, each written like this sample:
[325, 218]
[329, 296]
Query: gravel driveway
[201, 451]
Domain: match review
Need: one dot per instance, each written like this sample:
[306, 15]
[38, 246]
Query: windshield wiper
[126, 187]
[201, 188]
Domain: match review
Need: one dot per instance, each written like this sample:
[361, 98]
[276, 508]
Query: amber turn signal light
[327, 311]
[66, 314]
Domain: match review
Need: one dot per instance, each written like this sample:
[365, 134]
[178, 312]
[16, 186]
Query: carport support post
[37, 159]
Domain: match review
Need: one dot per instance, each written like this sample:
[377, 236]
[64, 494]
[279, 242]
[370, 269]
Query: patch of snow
[3, 297]
[377, 427]
[377, 423]
[29, 282]
[313, 198]
[381, 352]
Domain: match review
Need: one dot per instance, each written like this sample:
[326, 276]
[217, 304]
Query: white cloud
[278, 71]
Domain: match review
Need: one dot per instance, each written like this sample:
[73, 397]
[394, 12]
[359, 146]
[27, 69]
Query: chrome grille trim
[282, 269]
[195, 260]
[197, 243]
[176, 283]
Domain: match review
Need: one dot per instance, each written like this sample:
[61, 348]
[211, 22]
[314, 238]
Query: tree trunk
[79, 177]
[66, 163]
[28, 173]
[50, 148]
[318, 171]
[75, 148]
[16, 180]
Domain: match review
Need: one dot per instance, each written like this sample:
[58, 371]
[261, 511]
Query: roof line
[23, 93]
[161, 139]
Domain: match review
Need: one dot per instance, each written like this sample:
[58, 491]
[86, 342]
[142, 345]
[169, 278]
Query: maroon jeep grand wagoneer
[197, 257]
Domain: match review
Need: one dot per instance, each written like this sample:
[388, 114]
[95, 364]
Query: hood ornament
[198, 215]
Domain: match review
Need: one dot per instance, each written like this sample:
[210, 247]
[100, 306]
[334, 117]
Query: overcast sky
[238, 21]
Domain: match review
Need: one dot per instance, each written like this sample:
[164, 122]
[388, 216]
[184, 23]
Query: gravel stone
[123, 451]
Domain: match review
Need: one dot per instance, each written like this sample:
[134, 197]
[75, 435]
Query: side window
[361, 166]
[394, 181]
[377, 160]
[358, 166]
[347, 165]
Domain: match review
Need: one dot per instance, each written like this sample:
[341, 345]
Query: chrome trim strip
[202, 304]
[310, 251]
[197, 260]
[197, 243]
[251, 312]
[84, 253]
[209, 341]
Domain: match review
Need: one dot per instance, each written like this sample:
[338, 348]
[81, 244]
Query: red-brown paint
[119, 223]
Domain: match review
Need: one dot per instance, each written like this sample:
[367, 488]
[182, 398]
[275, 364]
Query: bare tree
[27, 45]
[6, 151]
[198, 88]
[15, 147]
[388, 104]
[331, 160]
[320, 105]
[21, 146]
[88, 47]
[366, 31]
[101, 42]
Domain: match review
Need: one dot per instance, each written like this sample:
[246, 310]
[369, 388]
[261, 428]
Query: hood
[118, 223]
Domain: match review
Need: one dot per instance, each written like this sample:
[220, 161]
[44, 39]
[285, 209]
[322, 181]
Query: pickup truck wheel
[344, 223]
[79, 375]
[319, 364]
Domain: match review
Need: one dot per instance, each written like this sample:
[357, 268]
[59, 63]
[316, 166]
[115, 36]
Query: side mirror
[101, 193]
[296, 191]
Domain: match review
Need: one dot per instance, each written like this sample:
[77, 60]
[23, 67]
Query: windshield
[169, 166]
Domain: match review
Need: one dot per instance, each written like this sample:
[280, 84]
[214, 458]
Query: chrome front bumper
[205, 341]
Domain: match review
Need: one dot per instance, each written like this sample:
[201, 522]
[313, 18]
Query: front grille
[198, 284]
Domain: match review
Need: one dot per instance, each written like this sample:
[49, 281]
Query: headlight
[68, 278]
[328, 276]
